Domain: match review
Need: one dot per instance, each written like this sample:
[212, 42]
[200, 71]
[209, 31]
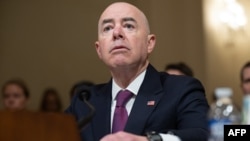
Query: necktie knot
[123, 97]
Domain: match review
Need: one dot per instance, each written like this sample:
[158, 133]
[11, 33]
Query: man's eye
[5, 96]
[107, 28]
[246, 80]
[129, 26]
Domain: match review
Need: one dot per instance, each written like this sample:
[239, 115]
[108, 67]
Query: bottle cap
[223, 92]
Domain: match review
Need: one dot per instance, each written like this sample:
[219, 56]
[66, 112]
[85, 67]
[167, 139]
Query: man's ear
[97, 48]
[151, 42]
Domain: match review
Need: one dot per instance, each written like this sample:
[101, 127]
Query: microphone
[84, 95]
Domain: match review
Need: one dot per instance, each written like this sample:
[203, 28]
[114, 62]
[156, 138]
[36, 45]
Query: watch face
[153, 136]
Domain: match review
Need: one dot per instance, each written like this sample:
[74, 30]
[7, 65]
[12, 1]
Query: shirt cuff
[169, 137]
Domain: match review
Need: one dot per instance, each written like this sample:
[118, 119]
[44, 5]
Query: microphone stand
[84, 121]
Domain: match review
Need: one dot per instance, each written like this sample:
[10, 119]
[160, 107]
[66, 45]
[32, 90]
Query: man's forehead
[121, 10]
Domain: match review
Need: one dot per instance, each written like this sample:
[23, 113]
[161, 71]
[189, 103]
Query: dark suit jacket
[180, 106]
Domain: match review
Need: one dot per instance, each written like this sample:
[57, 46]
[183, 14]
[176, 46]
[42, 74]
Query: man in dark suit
[161, 107]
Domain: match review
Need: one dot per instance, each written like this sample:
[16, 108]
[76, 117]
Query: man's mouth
[119, 48]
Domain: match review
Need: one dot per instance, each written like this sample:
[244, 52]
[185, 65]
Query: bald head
[125, 9]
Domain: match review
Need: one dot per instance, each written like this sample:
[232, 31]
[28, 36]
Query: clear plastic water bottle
[222, 112]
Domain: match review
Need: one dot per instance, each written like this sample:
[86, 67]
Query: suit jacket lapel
[147, 99]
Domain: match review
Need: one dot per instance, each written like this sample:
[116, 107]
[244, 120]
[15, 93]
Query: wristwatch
[153, 136]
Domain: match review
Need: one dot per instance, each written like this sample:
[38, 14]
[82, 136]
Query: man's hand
[123, 136]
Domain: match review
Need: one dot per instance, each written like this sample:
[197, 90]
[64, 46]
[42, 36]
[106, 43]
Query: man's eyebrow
[107, 21]
[129, 19]
[124, 20]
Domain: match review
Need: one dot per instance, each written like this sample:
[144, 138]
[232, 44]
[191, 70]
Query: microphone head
[83, 92]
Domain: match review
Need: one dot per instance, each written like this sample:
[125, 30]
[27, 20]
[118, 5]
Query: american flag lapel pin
[151, 103]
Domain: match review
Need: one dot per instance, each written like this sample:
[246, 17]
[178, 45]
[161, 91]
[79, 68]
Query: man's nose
[118, 33]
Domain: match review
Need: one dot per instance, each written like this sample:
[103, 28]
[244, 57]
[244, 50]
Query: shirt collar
[134, 86]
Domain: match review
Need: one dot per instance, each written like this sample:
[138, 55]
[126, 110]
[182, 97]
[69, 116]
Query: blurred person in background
[51, 101]
[179, 69]
[245, 78]
[15, 95]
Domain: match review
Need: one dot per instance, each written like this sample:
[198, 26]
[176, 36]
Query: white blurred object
[169, 137]
[223, 92]
[246, 109]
